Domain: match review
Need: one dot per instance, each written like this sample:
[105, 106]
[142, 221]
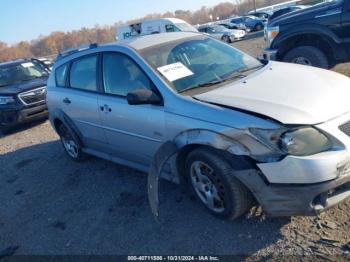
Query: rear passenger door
[134, 132]
[78, 99]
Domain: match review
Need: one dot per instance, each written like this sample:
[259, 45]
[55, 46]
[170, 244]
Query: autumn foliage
[58, 41]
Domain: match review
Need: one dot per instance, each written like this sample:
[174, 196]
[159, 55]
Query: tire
[307, 55]
[226, 39]
[231, 198]
[258, 27]
[71, 143]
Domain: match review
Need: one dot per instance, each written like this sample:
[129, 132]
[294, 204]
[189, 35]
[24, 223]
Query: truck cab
[317, 36]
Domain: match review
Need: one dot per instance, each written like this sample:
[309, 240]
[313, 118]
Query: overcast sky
[27, 19]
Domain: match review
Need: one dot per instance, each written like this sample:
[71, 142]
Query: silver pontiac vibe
[189, 108]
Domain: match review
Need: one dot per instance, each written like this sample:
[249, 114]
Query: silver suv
[191, 109]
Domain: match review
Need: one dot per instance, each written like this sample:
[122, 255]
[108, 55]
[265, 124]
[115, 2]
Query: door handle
[106, 108]
[66, 101]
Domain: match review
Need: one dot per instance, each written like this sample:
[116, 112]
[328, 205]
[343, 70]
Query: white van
[162, 25]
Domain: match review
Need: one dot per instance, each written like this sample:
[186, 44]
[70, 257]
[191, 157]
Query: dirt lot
[51, 205]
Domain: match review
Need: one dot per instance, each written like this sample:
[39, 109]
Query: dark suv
[317, 36]
[22, 92]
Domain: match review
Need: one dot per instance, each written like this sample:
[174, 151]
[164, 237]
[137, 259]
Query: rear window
[61, 73]
[83, 73]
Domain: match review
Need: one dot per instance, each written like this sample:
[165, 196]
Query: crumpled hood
[288, 93]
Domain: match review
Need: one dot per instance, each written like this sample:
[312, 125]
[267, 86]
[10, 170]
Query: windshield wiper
[250, 68]
[233, 76]
[213, 83]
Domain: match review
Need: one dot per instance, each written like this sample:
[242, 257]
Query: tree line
[58, 41]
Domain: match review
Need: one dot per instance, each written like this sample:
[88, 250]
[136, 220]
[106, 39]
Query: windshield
[196, 62]
[21, 72]
[186, 27]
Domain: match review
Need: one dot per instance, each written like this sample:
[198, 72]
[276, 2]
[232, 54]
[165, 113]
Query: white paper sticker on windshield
[175, 71]
[26, 65]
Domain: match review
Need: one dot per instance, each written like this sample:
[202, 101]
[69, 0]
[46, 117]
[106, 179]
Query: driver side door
[134, 132]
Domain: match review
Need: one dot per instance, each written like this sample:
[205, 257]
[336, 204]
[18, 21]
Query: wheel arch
[232, 150]
[60, 118]
[182, 145]
[323, 42]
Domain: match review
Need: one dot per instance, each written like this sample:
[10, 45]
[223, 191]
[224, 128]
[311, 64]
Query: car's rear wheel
[307, 55]
[70, 143]
[212, 180]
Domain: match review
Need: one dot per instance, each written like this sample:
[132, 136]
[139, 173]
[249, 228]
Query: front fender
[229, 142]
[324, 32]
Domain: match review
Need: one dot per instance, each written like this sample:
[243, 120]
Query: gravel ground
[51, 205]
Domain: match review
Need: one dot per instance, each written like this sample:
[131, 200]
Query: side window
[172, 28]
[169, 28]
[61, 75]
[210, 30]
[122, 75]
[83, 73]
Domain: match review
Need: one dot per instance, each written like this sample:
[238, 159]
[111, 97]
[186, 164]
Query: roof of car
[146, 41]
[137, 43]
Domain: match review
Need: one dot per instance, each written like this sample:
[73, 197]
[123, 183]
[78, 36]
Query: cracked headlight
[298, 142]
[4, 100]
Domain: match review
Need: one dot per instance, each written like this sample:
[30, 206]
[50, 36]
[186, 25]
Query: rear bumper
[291, 200]
[270, 54]
[12, 117]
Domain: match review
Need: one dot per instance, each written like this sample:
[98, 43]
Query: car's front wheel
[71, 143]
[307, 55]
[226, 39]
[213, 182]
[258, 27]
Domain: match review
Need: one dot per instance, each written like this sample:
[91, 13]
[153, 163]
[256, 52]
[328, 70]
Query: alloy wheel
[205, 188]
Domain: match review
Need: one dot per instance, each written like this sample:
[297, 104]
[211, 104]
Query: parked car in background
[204, 113]
[222, 33]
[47, 62]
[148, 27]
[251, 22]
[229, 25]
[286, 10]
[317, 36]
[22, 92]
[261, 15]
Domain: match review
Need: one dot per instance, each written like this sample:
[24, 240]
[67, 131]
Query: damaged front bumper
[275, 199]
[297, 199]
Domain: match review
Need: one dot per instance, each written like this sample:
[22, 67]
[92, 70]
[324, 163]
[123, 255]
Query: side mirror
[262, 60]
[143, 96]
